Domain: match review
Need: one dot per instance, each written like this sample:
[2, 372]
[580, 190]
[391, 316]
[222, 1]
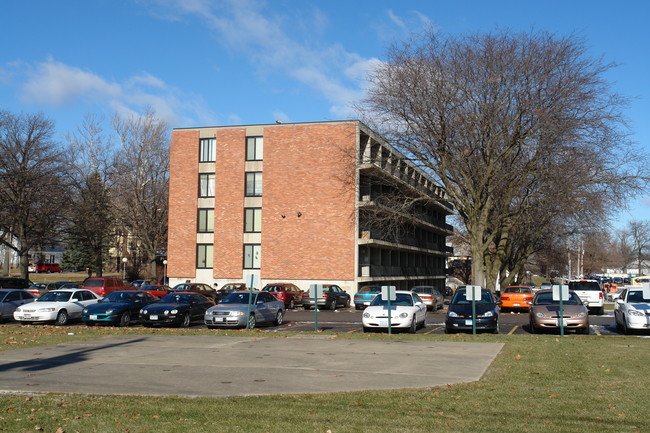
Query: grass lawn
[538, 383]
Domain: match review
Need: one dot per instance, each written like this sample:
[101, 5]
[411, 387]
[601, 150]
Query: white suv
[589, 291]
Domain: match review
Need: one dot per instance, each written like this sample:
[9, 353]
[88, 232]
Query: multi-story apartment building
[304, 203]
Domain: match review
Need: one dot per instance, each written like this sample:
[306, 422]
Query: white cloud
[399, 22]
[54, 84]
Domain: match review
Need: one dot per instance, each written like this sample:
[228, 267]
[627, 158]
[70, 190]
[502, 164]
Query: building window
[254, 184]
[252, 256]
[207, 149]
[254, 148]
[252, 220]
[206, 185]
[206, 221]
[204, 256]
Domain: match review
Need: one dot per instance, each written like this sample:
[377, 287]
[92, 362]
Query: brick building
[293, 203]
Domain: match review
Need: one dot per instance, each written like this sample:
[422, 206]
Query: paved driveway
[229, 366]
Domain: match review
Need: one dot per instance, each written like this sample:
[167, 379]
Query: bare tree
[33, 187]
[638, 233]
[143, 181]
[509, 124]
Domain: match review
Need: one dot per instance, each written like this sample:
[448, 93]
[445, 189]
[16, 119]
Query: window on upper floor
[206, 221]
[207, 149]
[206, 184]
[254, 184]
[204, 256]
[254, 148]
[252, 220]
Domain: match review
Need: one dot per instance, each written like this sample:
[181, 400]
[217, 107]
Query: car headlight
[46, 310]
[581, 314]
[366, 315]
[18, 310]
[635, 313]
[143, 311]
[111, 311]
[237, 313]
[488, 314]
[540, 315]
[174, 311]
[452, 314]
[85, 311]
[404, 315]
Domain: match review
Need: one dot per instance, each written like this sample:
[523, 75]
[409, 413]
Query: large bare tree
[510, 124]
[33, 183]
[143, 181]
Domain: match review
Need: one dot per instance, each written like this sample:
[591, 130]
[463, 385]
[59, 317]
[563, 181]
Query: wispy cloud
[53, 83]
[275, 43]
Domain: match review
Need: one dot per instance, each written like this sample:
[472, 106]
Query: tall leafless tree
[638, 233]
[33, 183]
[143, 181]
[510, 124]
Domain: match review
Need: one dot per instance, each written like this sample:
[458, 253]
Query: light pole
[124, 260]
[165, 272]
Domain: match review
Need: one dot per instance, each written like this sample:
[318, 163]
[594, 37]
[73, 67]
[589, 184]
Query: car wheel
[414, 327]
[333, 304]
[626, 330]
[186, 321]
[347, 303]
[532, 328]
[252, 321]
[125, 319]
[279, 317]
[357, 307]
[424, 322]
[62, 318]
[586, 330]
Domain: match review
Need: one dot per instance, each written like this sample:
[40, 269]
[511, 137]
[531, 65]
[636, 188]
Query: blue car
[364, 296]
[459, 314]
[117, 308]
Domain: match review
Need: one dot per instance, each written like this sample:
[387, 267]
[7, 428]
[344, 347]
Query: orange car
[516, 298]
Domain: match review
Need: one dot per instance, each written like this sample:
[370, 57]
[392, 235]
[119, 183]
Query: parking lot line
[513, 329]
[434, 329]
[597, 332]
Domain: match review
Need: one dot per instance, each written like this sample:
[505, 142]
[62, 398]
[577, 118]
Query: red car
[102, 286]
[47, 267]
[157, 290]
[288, 293]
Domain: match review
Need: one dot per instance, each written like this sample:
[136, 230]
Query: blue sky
[207, 63]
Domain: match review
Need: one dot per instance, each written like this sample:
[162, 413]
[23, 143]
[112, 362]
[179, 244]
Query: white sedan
[407, 311]
[632, 309]
[58, 306]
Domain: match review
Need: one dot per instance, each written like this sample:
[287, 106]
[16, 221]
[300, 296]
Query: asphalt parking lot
[240, 366]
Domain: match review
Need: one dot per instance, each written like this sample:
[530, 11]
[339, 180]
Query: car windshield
[460, 298]
[584, 285]
[272, 289]
[428, 290]
[370, 290]
[94, 283]
[175, 298]
[546, 298]
[400, 299]
[182, 287]
[518, 290]
[237, 298]
[55, 297]
[119, 297]
[637, 296]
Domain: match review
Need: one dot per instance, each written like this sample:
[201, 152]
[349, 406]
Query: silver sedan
[239, 308]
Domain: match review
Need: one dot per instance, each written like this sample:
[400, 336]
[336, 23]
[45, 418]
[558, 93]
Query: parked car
[432, 298]
[632, 310]
[545, 285]
[14, 283]
[138, 283]
[37, 289]
[288, 293]
[234, 311]
[200, 288]
[365, 295]
[103, 286]
[407, 311]
[333, 296]
[58, 306]
[117, 308]
[590, 291]
[47, 267]
[227, 289]
[176, 308]
[459, 315]
[516, 298]
[613, 296]
[545, 313]
[10, 299]
[157, 290]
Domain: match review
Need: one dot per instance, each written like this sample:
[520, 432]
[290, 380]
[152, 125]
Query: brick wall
[183, 193]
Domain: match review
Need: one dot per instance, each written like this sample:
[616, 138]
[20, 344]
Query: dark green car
[117, 308]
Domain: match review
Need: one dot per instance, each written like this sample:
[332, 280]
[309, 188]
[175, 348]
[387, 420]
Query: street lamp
[124, 260]
[165, 272]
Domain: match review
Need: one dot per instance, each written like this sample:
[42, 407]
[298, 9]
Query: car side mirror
[619, 301]
[585, 303]
[75, 300]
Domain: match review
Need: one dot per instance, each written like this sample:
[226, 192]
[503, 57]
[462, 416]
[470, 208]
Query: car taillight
[600, 295]
[505, 298]
[325, 295]
[528, 298]
[305, 295]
